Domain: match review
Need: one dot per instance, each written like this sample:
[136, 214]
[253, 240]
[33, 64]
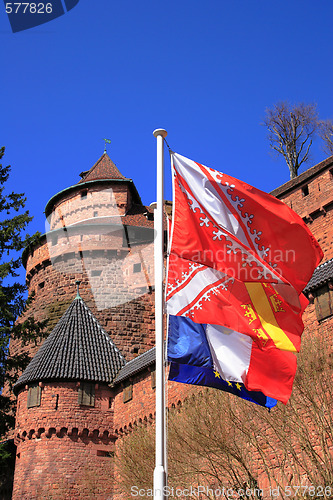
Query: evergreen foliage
[13, 223]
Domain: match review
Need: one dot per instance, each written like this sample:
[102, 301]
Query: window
[83, 195]
[95, 214]
[34, 396]
[86, 394]
[137, 268]
[104, 453]
[323, 302]
[128, 392]
[305, 190]
[153, 379]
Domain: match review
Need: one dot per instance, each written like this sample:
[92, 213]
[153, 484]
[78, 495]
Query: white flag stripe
[231, 352]
[205, 277]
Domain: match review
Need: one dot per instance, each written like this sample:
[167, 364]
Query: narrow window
[95, 214]
[153, 379]
[34, 396]
[305, 190]
[323, 302]
[128, 392]
[103, 453]
[86, 394]
[83, 195]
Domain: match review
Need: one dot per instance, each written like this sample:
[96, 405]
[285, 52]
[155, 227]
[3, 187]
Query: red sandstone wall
[315, 208]
[130, 324]
[64, 452]
[64, 410]
[121, 299]
[105, 200]
[141, 408]
[67, 467]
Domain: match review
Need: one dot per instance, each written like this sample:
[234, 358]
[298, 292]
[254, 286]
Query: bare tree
[325, 131]
[291, 128]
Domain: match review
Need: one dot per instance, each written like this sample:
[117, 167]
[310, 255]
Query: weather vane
[106, 141]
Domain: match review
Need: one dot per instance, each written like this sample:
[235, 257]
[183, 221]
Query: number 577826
[28, 8]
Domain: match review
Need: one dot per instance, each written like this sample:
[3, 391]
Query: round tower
[64, 426]
[97, 231]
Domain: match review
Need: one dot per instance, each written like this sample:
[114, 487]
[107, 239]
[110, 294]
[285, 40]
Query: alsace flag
[238, 262]
[238, 257]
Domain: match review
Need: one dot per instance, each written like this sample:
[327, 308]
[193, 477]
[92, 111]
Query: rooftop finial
[77, 283]
[106, 141]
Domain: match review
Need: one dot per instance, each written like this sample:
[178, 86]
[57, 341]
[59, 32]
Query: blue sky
[204, 71]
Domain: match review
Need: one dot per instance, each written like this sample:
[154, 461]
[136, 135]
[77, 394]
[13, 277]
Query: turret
[64, 427]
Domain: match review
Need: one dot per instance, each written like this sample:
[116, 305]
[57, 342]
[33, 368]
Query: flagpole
[160, 471]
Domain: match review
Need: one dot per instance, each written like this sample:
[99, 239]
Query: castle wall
[313, 201]
[121, 303]
[105, 200]
[88, 242]
[141, 407]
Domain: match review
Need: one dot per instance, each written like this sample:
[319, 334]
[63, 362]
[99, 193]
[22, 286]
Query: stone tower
[64, 426]
[98, 231]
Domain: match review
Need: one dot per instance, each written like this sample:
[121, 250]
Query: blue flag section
[209, 377]
[194, 362]
[26, 15]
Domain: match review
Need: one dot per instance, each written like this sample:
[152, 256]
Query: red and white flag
[238, 257]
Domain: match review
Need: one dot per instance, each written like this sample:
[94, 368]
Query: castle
[92, 379]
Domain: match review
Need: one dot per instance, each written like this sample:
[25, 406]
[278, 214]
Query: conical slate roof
[77, 349]
[104, 168]
[103, 172]
[322, 274]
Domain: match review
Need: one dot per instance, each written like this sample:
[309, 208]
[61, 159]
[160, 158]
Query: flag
[214, 356]
[238, 257]
[238, 261]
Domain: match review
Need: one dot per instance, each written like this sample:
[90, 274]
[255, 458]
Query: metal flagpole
[160, 471]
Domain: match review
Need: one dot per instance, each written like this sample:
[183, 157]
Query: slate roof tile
[322, 274]
[136, 365]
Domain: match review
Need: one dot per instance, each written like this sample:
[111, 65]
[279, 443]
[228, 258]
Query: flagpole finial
[160, 131]
[106, 141]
